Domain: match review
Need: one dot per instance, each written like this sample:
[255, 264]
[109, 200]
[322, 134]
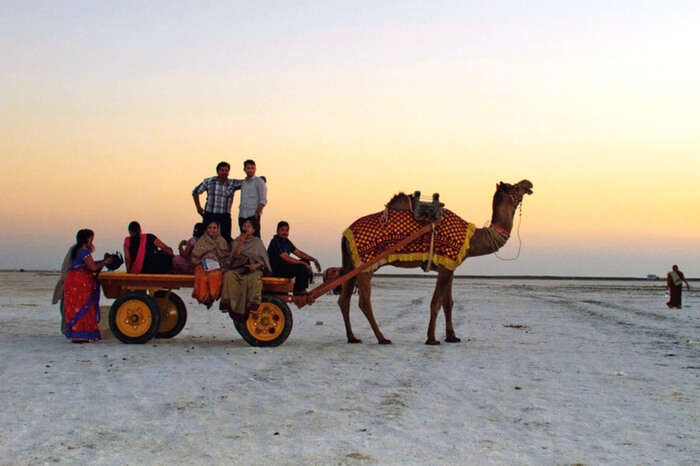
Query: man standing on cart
[220, 190]
[253, 197]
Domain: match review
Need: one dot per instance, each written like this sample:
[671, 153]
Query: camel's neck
[490, 239]
[486, 241]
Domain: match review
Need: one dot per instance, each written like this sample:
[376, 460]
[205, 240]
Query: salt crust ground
[548, 372]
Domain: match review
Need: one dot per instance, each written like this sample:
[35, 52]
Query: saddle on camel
[451, 240]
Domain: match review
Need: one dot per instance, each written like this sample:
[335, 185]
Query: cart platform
[116, 284]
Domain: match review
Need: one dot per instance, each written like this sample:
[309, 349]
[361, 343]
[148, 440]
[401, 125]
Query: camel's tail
[347, 264]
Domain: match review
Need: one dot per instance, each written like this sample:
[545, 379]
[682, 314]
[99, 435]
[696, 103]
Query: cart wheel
[269, 325]
[134, 318]
[173, 314]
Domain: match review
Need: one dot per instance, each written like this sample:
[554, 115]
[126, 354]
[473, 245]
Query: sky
[114, 111]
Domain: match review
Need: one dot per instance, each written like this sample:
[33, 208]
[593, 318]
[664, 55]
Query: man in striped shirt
[220, 190]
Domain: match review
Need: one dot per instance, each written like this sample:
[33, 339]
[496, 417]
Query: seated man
[283, 264]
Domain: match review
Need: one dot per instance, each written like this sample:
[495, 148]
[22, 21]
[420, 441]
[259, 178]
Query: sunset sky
[114, 112]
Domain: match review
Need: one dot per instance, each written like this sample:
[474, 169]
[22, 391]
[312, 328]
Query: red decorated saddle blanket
[369, 236]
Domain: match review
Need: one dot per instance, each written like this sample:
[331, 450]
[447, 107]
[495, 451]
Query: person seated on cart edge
[280, 252]
[182, 263]
[208, 256]
[145, 253]
[220, 190]
[242, 286]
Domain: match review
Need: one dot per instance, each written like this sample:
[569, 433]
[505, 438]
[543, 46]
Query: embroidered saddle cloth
[368, 237]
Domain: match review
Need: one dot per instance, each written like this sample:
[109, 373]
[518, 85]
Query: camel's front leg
[364, 289]
[447, 304]
[435, 303]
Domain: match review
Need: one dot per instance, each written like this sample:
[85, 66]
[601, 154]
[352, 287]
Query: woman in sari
[209, 253]
[674, 284]
[81, 292]
[242, 287]
[145, 253]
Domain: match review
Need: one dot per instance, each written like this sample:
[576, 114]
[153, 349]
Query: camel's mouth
[525, 186]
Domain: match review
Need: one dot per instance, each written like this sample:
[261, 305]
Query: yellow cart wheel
[269, 325]
[134, 318]
[173, 314]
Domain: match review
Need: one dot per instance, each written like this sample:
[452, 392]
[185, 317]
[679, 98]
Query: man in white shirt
[253, 197]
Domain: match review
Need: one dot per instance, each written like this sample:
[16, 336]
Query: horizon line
[432, 275]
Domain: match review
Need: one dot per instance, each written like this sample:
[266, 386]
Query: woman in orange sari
[81, 291]
[208, 255]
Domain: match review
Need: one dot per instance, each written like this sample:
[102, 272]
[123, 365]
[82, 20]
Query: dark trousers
[255, 221]
[224, 221]
[301, 274]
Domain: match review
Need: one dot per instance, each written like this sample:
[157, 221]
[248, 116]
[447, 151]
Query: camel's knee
[365, 300]
[434, 311]
[366, 309]
[344, 303]
[364, 303]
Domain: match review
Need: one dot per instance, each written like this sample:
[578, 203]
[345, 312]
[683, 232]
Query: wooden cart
[145, 305]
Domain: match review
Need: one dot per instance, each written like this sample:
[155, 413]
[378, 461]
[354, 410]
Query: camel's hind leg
[444, 280]
[344, 303]
[364, 289]
[347, 290]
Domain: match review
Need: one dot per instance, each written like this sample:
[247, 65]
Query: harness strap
[432, 247]
[501, 230]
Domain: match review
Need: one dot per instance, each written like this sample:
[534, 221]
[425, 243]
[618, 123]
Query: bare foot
[354, 340]
[384, 342]
[452, 339]
[432, 342]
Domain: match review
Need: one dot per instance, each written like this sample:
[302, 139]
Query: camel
[484, 241]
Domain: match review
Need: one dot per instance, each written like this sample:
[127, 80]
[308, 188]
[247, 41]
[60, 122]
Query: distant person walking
[253, 198]
[220, 190]
[674, 284]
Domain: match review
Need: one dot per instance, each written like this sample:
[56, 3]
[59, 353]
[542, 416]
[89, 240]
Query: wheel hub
[266, 323]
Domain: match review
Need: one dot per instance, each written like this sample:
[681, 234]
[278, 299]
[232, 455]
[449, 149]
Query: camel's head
[514, 192]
